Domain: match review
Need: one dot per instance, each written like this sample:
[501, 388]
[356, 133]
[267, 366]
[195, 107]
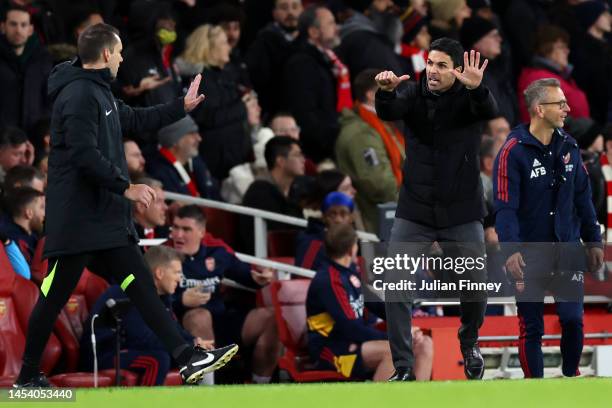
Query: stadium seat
[38, 265]
[17, 299]
[289, 300]
[282, 243]
[91, 286]
[222, 225]
[173, 378]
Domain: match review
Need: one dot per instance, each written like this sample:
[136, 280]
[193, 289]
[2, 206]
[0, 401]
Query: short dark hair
[364, 82]
[12, 136]
[450, 47]
[339, 239]
[94, 40]
[14, 7]
[280, 114]
[278, 146]
[308, 19]
[224, 12]
[17, 199]
[546, 36]
[194, 212]
[22, 175]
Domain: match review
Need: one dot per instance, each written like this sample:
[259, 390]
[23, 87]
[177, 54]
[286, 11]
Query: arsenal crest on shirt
[355, 281]
[210, 264]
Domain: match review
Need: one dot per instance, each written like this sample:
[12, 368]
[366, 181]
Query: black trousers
[125, 264]
[399, 310]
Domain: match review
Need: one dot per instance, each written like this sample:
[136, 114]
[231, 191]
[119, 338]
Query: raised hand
[472, 73]
[140, 193]
[388, 81]
[192, 99]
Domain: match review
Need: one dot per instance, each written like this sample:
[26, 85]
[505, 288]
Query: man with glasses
[542, 196]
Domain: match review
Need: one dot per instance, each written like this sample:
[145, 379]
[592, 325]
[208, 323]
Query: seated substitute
[341, 336]
[203, 310]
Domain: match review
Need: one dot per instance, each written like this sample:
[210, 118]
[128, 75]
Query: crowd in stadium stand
[289, 126]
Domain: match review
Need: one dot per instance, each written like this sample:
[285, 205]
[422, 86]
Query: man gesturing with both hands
[441, 196]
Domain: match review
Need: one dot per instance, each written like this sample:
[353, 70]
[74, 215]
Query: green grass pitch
[557, 393]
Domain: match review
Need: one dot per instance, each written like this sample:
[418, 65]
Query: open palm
[192, 99]
[472, 73]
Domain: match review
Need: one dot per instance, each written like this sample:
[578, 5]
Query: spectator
[498, 129]
[285, 162]
[593, 45]
[337, 208]
[231, 19]
[415, 42]
[326, 182]
[362, 46]
[147, 76]
[134, 158]
[370, 151]
[26, 216]
[206, 263]
[177, 163]
[81, 17]
[223, 118]
[24, 69]
[284, 124]
[15, 150]
[317, 83]
[447, 17]
[25, 176]
[269, 52]
[142, 351]
[483, 36]
[150, 222]
[604, 211]
[551, 61]
[341, 336]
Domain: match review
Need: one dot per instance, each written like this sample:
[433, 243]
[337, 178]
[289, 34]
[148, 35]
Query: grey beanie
[168, 136]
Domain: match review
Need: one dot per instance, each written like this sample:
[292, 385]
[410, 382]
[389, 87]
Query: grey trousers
[399, 314]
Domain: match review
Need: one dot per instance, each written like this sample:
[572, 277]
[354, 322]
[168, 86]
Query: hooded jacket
[85, 208]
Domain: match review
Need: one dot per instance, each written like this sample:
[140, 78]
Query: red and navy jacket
[26, 242]
[335, 309]
[135, 333]
[207, 268]
[542, 193]
[310, 251]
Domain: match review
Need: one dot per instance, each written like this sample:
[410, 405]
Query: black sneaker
[206, 361]
[402, 374]
[473, 363]
[38, 381]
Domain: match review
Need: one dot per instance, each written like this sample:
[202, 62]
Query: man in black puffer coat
[89, 219]
[441, 197]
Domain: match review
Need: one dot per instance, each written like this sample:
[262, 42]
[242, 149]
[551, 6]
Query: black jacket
[223, 122]
[441, 175]
[265, 60]
[310, 94]
[496, 78]
[23, 81]
[86, 209]
[363, 47]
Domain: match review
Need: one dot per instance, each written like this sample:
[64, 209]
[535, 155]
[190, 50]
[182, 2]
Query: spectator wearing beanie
[415, 42]
[177, 164]
[592, 57]
[483, 36]
[447, 17]
[551, 61]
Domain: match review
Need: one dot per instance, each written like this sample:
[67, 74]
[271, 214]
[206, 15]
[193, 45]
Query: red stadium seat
[80, 380]
[289, 300]
[222, 225]
[173, 378]
[282, 243]
[39, 266]
[91, 286]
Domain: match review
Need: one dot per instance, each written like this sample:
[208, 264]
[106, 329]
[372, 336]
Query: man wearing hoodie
[88, 201]
[24, 68]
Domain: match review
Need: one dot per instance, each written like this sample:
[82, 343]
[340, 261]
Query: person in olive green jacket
[370, 151]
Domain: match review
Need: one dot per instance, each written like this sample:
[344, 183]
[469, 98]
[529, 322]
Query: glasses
[562, 104]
